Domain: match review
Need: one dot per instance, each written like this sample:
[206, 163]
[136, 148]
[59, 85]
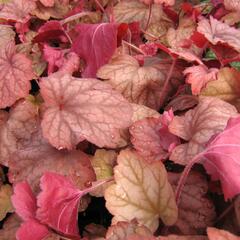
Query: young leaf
[131, 197]
[218, 32]
[199, 76]
[146, 139]
[217, 234]
[24, 201]
[15, 75]
[96, 43]
[151, 139]
[78, 109]
[198, 125]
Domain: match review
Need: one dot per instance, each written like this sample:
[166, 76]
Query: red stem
[185, 174]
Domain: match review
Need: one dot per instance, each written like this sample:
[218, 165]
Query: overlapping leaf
[95, 44]
[132, 197]
[15, 75]
[78, 109]
[141, 85]
[198, 125]
[217, 32]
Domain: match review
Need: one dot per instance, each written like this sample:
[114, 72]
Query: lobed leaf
[78, 109]
[132, 197]
[198, 125]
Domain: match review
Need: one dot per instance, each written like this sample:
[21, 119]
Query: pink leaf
[57, 59]
[15, 75]
[96, 44]
[147, 140]
[24, 201]
[217, 32]
[58, 203]
[17, 10]
[152, 139]
[222, 158]
[32, 230]
[78, 109]
[198, 125]
[232, 5]
[199, 76]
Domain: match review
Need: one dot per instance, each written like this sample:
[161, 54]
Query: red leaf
[78, 109]
[96, 44]
[58, 203]
[198, 39]
[24, 201]
[51, 30]
[122, 32]
[151, 139]
[15, 75]
[32, 230]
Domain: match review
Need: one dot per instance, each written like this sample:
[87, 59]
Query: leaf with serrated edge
[82, 108]
[218, 32]
[198, 125]
[122, 230]
[226, 87]
[15, 75]
[17, 10]
[129, 11]
[141, 191]
[141, 85]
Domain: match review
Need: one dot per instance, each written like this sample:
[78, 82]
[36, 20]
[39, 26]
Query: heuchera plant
[119, 120]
